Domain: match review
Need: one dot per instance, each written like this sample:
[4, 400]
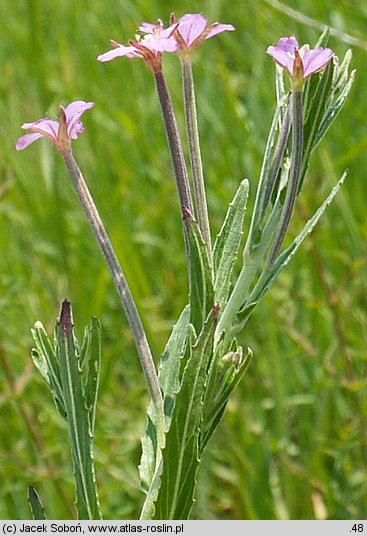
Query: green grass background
[293, 443]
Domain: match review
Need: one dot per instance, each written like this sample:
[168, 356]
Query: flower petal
[73, 111]
[282, 57]
[165, 33]
[129, 51]
[147, 27]
[219, 28]
[288, 44]
[46, 127]
[27, 139]
[314, 60]
[160, 45]
[78, 127]
[191, 26]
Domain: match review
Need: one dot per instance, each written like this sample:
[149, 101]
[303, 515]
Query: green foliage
[224, 373]
[181, 454]
[72, 376]
[201, 277]
[269, 276]
[227, 244]
[281, 180]
[169, 380]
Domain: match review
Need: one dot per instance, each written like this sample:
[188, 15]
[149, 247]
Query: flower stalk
[294, 175]
[176, 150]
[277, 161]
[122, 286]
[195, 154]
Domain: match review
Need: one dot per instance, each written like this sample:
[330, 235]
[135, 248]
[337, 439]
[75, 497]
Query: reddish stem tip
[66, 317]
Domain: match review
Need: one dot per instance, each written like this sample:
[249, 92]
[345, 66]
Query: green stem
[251, 264]
[122, 286]
[268, 170]
[195, 154]
[294, 175]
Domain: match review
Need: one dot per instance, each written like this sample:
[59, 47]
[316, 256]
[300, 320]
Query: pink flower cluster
[183, 36]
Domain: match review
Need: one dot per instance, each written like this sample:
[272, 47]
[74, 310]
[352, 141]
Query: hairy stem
[177, 155]
[294, 175]
[277, 160]
[268, 175]
[122, 286]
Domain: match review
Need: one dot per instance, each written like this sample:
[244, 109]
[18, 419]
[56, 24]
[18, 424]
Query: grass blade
[38, 511]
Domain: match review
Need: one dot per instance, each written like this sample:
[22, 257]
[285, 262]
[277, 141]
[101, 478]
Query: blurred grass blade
[227, 244]
[181, 455]
[201, 277]
[268, 277]
[78, 418]
[169, 379]
[38, 511]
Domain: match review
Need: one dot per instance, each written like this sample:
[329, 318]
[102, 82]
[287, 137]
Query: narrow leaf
[342, 85]
[227, 244]
[93, 365]
[314, 114]
[169, 371]
[223, 376]
[84, 347]
[268, 277]
[201, 279]
[38, 511]
[169, 380]
[312, 82]
[181, 455]
[254, 235]
[78, 418]
[46, 361]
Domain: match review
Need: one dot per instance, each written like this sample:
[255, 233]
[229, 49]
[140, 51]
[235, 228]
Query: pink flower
[150, 46]
[59, 132]
[193, 28]
[299, 62]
